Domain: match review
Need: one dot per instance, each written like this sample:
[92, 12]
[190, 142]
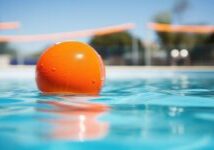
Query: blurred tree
[179, 40]
[165, 38]
[203, 51]
[180, 6]
[6, 49]
[116, 44]
[171, 40]
[36, 55]
[210, 39]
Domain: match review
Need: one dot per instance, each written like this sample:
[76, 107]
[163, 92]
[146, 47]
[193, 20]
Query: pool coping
[115, 72]
[18, 67]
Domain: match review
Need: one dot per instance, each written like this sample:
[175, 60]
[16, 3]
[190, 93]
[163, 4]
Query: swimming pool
[137, 109]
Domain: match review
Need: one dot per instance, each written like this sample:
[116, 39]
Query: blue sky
[50, 16]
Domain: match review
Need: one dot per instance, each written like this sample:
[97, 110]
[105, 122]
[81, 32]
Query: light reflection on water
[153, 113]
[76, 119]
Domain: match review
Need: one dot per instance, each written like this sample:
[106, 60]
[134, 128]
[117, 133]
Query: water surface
[153, 112]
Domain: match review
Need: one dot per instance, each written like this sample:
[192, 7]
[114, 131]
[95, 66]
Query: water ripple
[170, 112]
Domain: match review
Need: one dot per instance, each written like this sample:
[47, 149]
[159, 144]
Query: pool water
[164, 110]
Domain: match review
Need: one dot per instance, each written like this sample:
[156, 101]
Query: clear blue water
[161, 112]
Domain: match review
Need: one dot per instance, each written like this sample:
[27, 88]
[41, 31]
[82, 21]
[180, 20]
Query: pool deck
[165, 68]
[22, 67]
[111, 71]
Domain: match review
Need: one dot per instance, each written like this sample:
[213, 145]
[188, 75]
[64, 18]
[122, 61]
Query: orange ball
[70, 68]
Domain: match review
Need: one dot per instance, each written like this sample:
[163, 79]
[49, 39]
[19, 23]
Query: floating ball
[70, 68]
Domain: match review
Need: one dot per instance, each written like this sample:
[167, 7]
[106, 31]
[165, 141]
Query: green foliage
[166, 39]
[112, 39]
[36, 54]
[5, 49]
[113, 44]
[210, 39]
[171, 40]
[163, 17]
